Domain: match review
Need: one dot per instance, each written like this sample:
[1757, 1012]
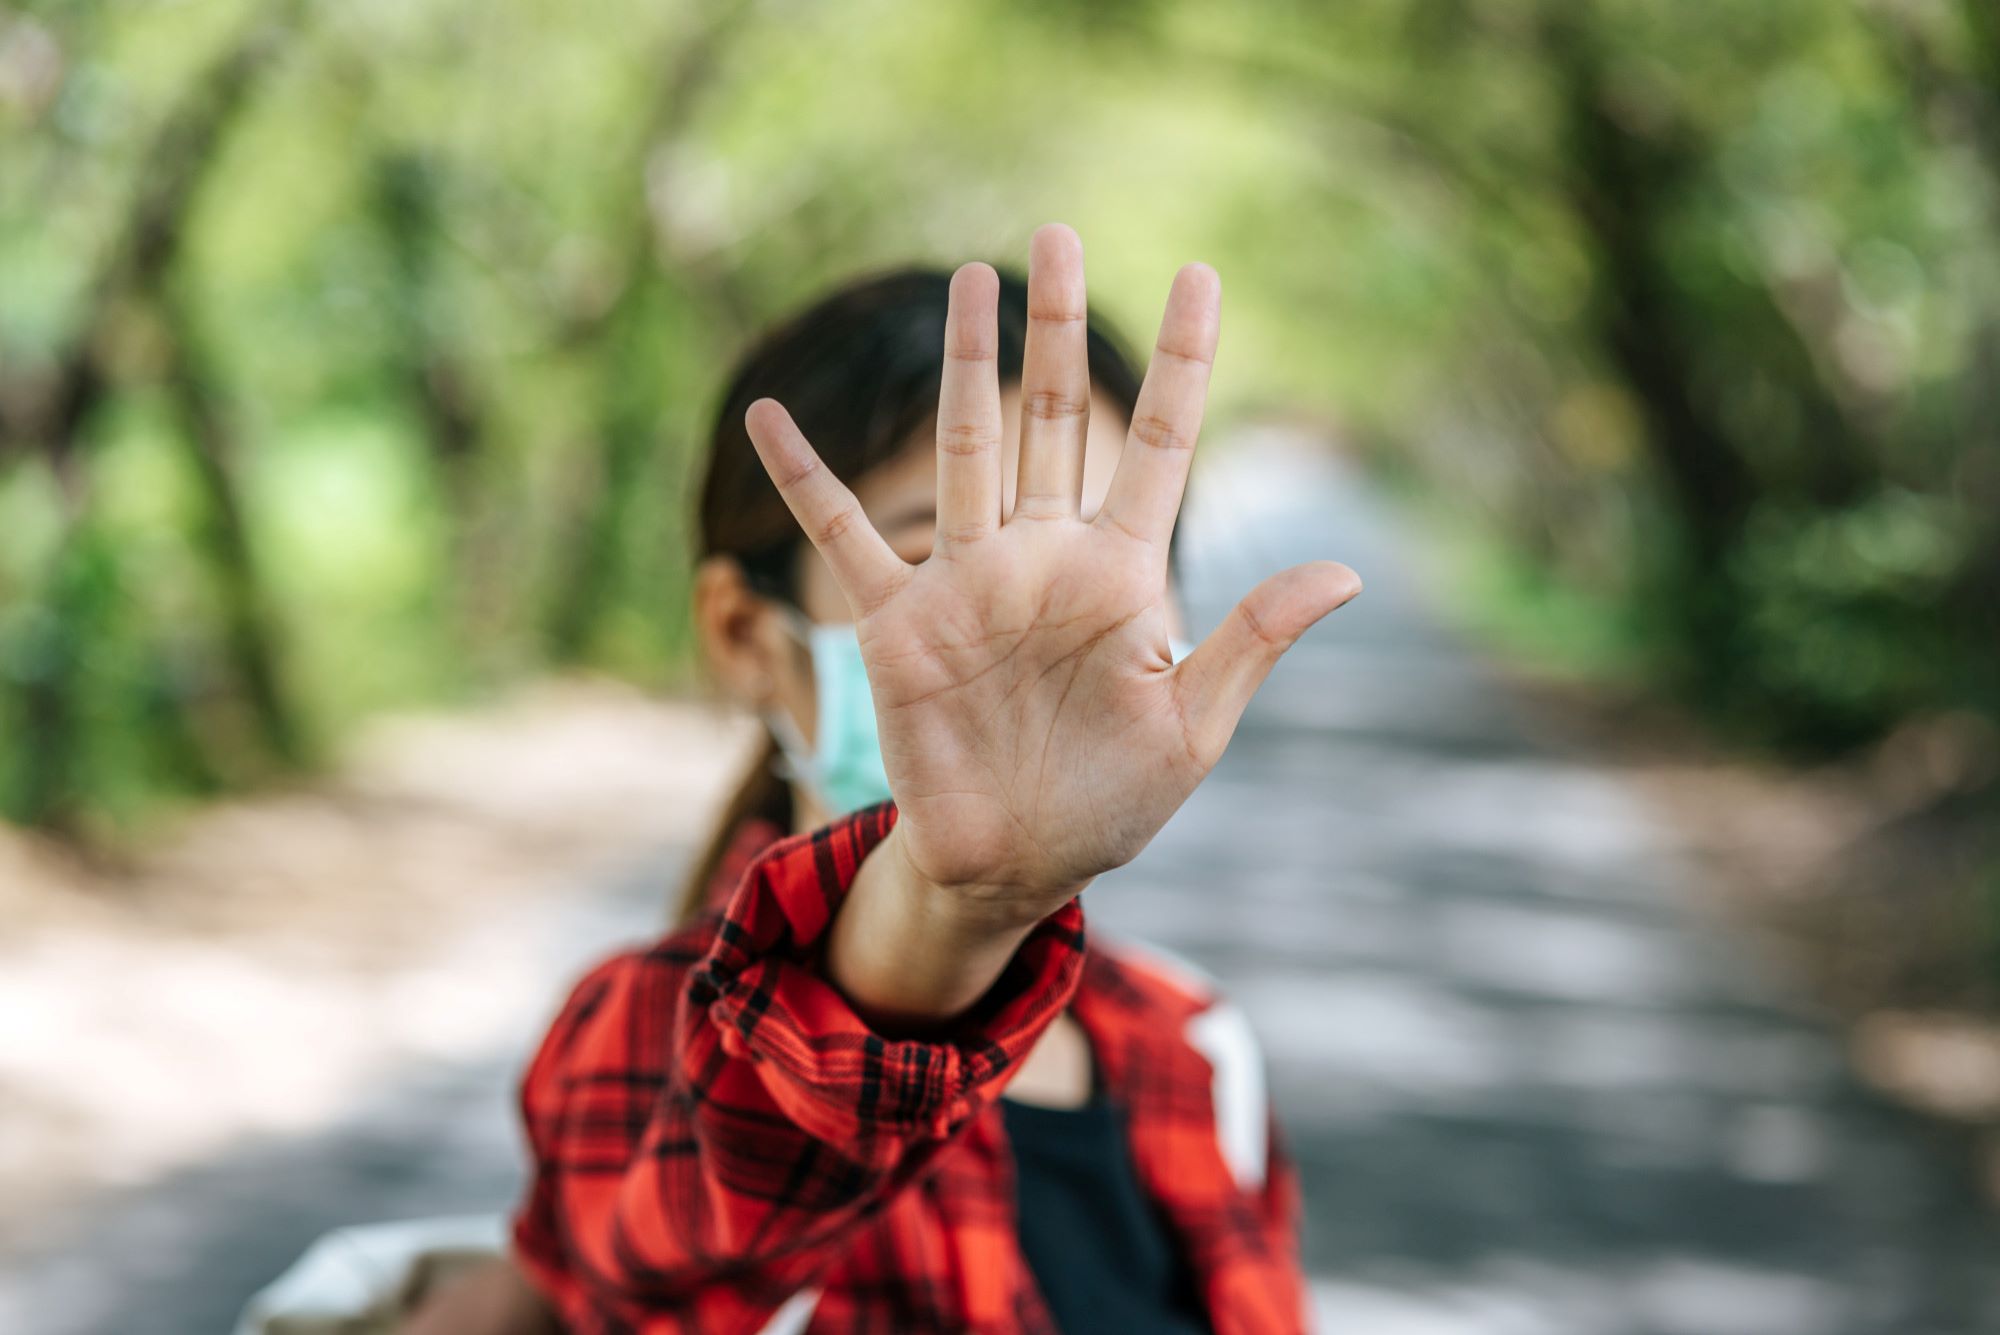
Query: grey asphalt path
[1532, 1090]
[182, 1255]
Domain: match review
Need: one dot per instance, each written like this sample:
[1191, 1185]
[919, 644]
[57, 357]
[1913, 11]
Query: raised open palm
[1034, 728]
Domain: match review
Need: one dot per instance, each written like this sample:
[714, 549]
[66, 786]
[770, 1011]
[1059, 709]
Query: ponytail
[760, 795]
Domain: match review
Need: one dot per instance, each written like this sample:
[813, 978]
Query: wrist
[910, 952]
[969, 910]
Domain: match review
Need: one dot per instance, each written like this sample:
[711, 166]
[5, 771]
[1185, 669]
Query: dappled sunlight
[288, 956]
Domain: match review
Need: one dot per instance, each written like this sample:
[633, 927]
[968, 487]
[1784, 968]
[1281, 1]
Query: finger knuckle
[1259, 630]
[1160, 434]
[1185, 353]
[836, 525]
[1060, 311]
[1055, 405]
[967, 438]
[958, 534]
[795, 475]
[1118, 524]
[1043, 505]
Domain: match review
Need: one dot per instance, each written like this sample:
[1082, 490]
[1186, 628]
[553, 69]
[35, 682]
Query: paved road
[1531, 1089]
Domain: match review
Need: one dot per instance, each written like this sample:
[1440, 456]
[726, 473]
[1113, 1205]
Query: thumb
[1216, 681]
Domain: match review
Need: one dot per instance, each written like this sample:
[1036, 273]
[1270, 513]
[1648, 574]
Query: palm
[1027, 709]
[1033, 729]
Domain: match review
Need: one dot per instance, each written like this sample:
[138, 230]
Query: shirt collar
[753, 835]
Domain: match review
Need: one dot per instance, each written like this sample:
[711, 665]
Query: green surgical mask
[843, 768]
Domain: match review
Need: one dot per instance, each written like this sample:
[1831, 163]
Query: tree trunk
[250, 627]
[625, 433]
[66, 407]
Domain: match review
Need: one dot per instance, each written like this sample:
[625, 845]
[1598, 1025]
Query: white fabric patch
[358, 1274]
[792, 1317]
[1222, 1034]
[355, 1278]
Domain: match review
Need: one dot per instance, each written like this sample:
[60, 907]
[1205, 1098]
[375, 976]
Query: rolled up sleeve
[711, 1119]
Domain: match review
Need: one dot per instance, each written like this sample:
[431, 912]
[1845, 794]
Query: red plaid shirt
[722, 1145]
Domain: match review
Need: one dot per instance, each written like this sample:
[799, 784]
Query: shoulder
[617, 1012]
[1150, 981]
[643, 969]
[1143, 996]
[1155, 990]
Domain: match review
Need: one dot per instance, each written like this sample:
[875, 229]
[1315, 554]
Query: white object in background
[370, 1272]
[364, 1280]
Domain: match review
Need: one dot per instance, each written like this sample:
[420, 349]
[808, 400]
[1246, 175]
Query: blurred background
[1644, 356]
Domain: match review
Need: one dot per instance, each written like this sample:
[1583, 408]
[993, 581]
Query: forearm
[910, 954]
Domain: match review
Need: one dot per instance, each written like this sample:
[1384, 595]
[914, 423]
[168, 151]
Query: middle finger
[1055, 378]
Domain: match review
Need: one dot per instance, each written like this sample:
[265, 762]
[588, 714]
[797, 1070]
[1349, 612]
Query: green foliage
[391, 329]
[1845, 615]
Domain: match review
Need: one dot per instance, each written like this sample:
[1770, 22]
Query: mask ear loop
[794, 762]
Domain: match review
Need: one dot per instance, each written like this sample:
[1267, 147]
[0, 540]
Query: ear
[738, 630]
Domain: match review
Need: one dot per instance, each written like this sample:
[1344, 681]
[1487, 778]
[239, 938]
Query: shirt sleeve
[537, 1235]
[711, 1119]
[1281, 1204]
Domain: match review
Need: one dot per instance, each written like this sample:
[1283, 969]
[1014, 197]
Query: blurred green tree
[357, 355]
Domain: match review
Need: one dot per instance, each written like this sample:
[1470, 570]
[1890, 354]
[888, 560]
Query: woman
[789, 1113]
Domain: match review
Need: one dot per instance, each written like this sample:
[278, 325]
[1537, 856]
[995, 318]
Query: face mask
[843, 768]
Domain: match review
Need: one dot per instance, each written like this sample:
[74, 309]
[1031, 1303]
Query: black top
[1096, 1246]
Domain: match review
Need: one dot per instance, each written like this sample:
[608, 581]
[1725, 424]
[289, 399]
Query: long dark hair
[859, 371]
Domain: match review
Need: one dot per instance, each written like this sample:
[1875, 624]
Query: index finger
[864, 566]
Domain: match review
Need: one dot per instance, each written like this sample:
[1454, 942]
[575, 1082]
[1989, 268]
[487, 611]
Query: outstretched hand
[1034, 727]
